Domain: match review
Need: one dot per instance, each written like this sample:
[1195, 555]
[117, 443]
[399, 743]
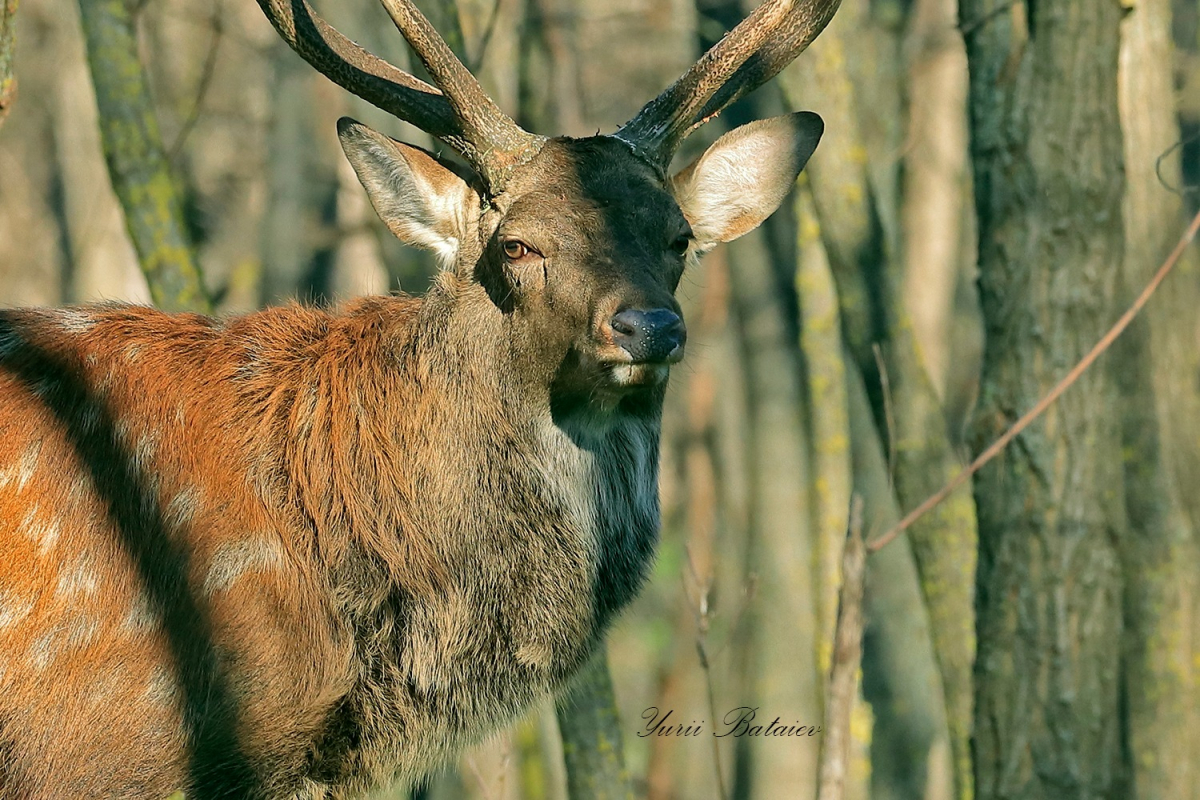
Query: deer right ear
[421, 200]
[744, 176]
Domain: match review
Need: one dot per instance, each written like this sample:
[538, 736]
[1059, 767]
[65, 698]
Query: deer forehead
[592, 191]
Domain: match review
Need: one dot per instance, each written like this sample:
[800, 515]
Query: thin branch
[1158, 162]
[847, 660]
[480, 781]
[700, 610]
[206, 75]
[488, 31]
[1024, 422]
[970, 26]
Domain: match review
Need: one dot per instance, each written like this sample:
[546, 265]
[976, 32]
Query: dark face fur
[584, 248]
[585, 252]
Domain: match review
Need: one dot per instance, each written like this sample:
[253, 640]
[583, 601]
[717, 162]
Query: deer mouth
[639, 374]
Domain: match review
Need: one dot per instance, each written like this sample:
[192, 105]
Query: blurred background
[840, 349]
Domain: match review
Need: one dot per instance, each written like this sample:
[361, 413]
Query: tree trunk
[8, 81]
[1157, 363]
[137, 163]
[851, 208]
[591, 733]
[1048, 183]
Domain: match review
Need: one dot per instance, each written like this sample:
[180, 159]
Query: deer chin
[639, 375]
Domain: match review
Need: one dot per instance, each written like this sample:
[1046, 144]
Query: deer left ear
[743, 177]
[423, 200]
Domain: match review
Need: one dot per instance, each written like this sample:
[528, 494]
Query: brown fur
[302, 553]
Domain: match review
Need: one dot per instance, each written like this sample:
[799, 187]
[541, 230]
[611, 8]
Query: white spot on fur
[42, 651]
[183, 508]
[77, 579]
[79, 630]
[232, 560]
[161, 689]
[13, 609]
[133, 352]
[144, 450]
[140, 617]
[44, 533]
[28, 464]
[74, 320]
[89, 418]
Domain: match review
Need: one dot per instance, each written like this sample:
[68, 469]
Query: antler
[459, 112]
[751, 54]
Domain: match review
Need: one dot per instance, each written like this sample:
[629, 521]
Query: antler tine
[752, 53]
[503, 143]
[360, 72]
[475, 127]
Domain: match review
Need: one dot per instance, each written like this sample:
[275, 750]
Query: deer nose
[654, 335]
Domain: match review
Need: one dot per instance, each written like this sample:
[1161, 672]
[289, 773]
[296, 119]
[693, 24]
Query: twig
[477, 773]
[1021, 424]
[970, 26]
[847, 658]
[700, 609]
[485, 40]
[206, 75]
[1158, 162]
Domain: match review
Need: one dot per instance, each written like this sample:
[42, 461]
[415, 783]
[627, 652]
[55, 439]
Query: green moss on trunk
[591, 736]
[136, 160]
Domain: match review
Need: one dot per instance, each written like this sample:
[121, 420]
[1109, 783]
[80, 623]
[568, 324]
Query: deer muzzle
[653, 336]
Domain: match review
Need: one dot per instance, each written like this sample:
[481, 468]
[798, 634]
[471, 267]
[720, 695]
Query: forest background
[997, 179]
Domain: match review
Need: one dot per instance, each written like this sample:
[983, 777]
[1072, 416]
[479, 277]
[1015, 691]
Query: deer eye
[515, 249]
[681, 243]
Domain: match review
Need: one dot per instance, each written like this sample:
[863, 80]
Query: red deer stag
[302, 553]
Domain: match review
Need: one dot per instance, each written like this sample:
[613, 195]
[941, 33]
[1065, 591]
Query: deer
[306, 552]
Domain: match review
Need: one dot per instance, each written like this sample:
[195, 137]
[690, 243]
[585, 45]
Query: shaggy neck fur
[477, 538]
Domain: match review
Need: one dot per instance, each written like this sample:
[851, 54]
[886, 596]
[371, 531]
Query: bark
[101, 259]
[828, 422]
[1047, 156]
[780, 536]
[137, 163]
[31, 257]
[1154, 363]
[828, 426]
[210, 76]
[905, 405]
[847, 663]
[935, 188]
[591, 736]
[900, 675]
[8, 32]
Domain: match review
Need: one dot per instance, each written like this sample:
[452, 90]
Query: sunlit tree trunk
[1156, 364]
[855, 210]
[8, 78]
[137, 162]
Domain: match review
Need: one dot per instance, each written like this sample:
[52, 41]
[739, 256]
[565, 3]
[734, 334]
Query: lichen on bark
[137, 164]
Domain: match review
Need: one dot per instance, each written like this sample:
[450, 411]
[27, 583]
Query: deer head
[581, 242]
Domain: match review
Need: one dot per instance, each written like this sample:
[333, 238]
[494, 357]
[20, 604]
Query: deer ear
[422, 200]
[743, 177]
